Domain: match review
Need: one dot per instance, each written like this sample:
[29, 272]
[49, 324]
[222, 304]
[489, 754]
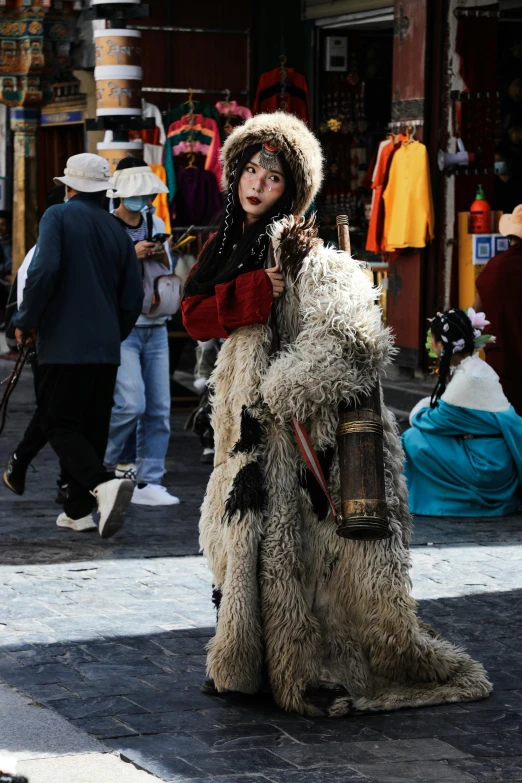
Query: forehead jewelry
[268, 156]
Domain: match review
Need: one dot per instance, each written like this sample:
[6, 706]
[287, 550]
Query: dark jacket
[84, 290]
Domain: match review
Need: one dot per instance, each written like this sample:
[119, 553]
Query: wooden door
[56, 145]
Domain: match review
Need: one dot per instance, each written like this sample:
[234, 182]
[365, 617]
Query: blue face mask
[501, 168]
[136, 203]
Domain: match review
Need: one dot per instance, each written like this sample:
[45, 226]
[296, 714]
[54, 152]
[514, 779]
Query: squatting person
[463, 449]
[325, 622]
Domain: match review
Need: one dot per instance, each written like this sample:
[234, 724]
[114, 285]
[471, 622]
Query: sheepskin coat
[299, 604]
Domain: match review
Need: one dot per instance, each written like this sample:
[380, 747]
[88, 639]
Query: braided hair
[455, 331]
[234, 251]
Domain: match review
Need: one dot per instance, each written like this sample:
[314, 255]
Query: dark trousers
[75, 404]
[34, 438]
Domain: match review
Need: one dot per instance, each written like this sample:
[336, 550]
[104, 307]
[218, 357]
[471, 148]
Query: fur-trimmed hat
[288, 133]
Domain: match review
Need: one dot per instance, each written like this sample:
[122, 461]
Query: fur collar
[476, 385]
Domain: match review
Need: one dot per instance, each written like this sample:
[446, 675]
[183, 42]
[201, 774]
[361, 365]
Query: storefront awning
[318, 9]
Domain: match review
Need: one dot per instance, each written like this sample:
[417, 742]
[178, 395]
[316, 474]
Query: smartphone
[160, 238]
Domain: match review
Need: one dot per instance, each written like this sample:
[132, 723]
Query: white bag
[166, 297]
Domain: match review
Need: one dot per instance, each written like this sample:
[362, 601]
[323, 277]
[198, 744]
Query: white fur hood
[476, 385]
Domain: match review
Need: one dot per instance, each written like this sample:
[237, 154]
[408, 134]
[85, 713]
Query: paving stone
[163, 722]
[232, 779]
[97, 707]
[156, 755]
[249, 736]
[414, 772]
[326, 754]
[171, 701]
[413, 726]
[52, 654]
[104, 728]
[490, 744]
[326, 775]
[414, 749]
[237, 761]
[85, 768]
[495, 721]
[491, 770]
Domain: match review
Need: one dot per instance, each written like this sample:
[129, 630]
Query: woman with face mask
[327, 624]
[142, 394]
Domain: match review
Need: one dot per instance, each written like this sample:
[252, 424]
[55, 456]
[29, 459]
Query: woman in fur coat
[327, 623]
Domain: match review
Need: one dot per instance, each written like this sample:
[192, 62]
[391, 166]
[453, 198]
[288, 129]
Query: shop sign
[62, 117]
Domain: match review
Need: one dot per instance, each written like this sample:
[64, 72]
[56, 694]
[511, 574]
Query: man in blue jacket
[82, 297]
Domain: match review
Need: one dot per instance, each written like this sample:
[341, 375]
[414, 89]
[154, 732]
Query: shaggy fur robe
[299, 603]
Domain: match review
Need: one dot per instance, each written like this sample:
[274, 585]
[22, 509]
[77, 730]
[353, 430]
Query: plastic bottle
[480, 214]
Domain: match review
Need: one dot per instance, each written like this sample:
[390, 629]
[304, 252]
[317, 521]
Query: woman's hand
[146, 249]
[276, 278]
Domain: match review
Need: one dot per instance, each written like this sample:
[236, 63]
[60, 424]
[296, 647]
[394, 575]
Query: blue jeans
[142, 403]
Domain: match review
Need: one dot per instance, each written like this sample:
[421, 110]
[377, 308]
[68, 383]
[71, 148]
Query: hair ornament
[268, 156]
[478, 320]
[459, 345]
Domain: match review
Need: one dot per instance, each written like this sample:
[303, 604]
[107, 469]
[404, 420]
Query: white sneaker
[153, 495]
[125, 470]
[80, 525]
[112, 497]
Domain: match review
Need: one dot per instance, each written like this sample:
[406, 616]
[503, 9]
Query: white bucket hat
[139, 181]
[86, 173]
[511, 225]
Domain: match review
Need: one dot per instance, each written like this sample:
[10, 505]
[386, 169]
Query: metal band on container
[358, 426]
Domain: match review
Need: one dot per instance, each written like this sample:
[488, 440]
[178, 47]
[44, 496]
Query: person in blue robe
[463, 449]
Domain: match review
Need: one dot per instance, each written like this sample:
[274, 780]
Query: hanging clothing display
[408, 203]
[384, 151]
[197, 136]
[161, 201]
[283, 89]
[197, 200]
[198, 107]
[232, 115]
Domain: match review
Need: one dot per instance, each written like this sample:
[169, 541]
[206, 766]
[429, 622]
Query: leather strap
[309, 455]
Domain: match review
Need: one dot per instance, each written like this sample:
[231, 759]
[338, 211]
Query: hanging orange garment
[385, 151]
[161, 201]
[409, 217]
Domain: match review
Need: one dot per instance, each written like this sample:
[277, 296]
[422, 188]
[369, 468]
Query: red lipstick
[253, 200]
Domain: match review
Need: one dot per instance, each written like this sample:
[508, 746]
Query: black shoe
[209, 688]
[14, 476]
[323, 695]
[63, 494]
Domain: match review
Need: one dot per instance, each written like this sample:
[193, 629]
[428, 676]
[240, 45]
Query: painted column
[24, 124]
[404, 307]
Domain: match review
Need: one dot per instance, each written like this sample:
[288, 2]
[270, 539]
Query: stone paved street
[111, 637]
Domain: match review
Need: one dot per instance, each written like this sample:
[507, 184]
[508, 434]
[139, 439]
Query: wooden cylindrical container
[361, 456]
[361, 462]
[114, 151]
[117, 48]
[119, 95]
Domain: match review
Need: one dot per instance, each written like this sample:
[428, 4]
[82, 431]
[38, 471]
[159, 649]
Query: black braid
[448, 328]
[229, 207]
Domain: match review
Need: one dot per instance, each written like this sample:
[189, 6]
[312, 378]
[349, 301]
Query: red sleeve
[244, 301]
